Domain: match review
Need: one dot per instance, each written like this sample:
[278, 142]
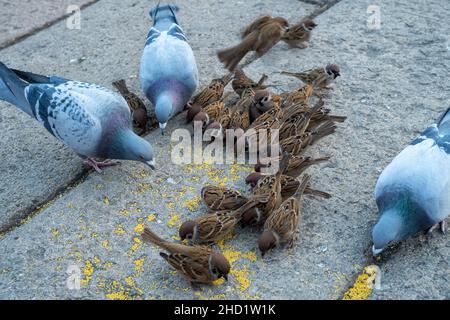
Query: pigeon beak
[375, 251]
[163, 127]
[151, 164]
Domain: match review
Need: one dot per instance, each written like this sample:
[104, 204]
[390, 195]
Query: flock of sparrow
[274, 205]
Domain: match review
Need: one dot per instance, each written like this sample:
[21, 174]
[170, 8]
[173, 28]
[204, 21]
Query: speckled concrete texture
[394, 82]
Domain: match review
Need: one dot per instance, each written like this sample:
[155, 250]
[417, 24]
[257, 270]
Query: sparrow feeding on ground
[282, 225]
[220, 198]
[321, 77]
[297, 123]
[269, 186]
[262, 103]
[137, 107]
[301, 95]
[241, 82]
[213, 227]
[299, 35]
[263, 36]
[203, 118]
[198, 264]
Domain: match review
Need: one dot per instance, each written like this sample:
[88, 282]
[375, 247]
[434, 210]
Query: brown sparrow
[240, 118]
[297, 123]
[320, 77]
[260, 40]
[213, 227]
[288, 186]
[212, 93]
[269, 186]
[198, 264]
[301, 95]
[262, 103]
[215, 109]
[241, 82]
[219, 198]
[282, 225]
[203, 118]
[299, 35]
[137, 107]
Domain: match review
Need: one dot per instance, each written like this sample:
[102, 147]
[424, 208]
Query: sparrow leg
[299, 45]
[293, 240]
[97, 165]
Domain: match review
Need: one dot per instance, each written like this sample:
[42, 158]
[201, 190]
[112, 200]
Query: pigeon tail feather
[12, 89]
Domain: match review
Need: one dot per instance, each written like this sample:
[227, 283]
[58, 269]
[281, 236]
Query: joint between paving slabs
[38, 29]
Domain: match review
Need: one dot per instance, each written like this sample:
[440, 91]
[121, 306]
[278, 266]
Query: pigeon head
[386, 231]
[126, 145]
[163, 111]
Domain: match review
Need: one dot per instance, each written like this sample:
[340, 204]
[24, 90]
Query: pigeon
[168, 71]
[413, 191]
[92, 120]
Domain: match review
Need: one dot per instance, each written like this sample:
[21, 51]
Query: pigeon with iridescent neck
[92, 120]
[413, 191]
[168, 71]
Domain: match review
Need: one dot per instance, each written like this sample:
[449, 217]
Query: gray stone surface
[20, 18]
[394, 82]
[110, 48]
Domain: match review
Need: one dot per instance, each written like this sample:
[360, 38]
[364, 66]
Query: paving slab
[389, 74]
[18, 20]
[107, 47]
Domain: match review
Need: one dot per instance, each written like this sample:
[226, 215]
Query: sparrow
[288, 186]
[262, 103]
[215, 109]
[213, 92]
[224, 118]
[296, 123]
[215, 130]
[282, 225]
[260, 40]
[137, 107]
[299, 35]
[241, 82]
[321, 77]
[295, 167]
[213, 227]
[240, 118]
[297, 144]
[412, 193]
[219, 198]
[301, 95]
[269, 186]
[198, 264]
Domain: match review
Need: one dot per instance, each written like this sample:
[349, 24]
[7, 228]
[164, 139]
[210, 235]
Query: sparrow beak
[225, 276]
[151, 164]
[375, 251]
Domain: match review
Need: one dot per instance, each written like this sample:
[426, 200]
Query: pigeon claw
[97, 165]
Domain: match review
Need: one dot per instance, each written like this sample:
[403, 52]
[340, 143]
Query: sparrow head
[203, 118]
[309, 24]
[187, 230]
[253, 178]
[192, 111]
[263, 100]
[281, 21]
[219, 266]
[140, 118]
[251, 217]
[216, 129]
[267, 241]
[333, 70]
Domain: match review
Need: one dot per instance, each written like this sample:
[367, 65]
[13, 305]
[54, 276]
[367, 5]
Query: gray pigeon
[93, 121]
[168, 72]
[413, 191]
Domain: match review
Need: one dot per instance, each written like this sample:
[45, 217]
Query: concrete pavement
[389, 75]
